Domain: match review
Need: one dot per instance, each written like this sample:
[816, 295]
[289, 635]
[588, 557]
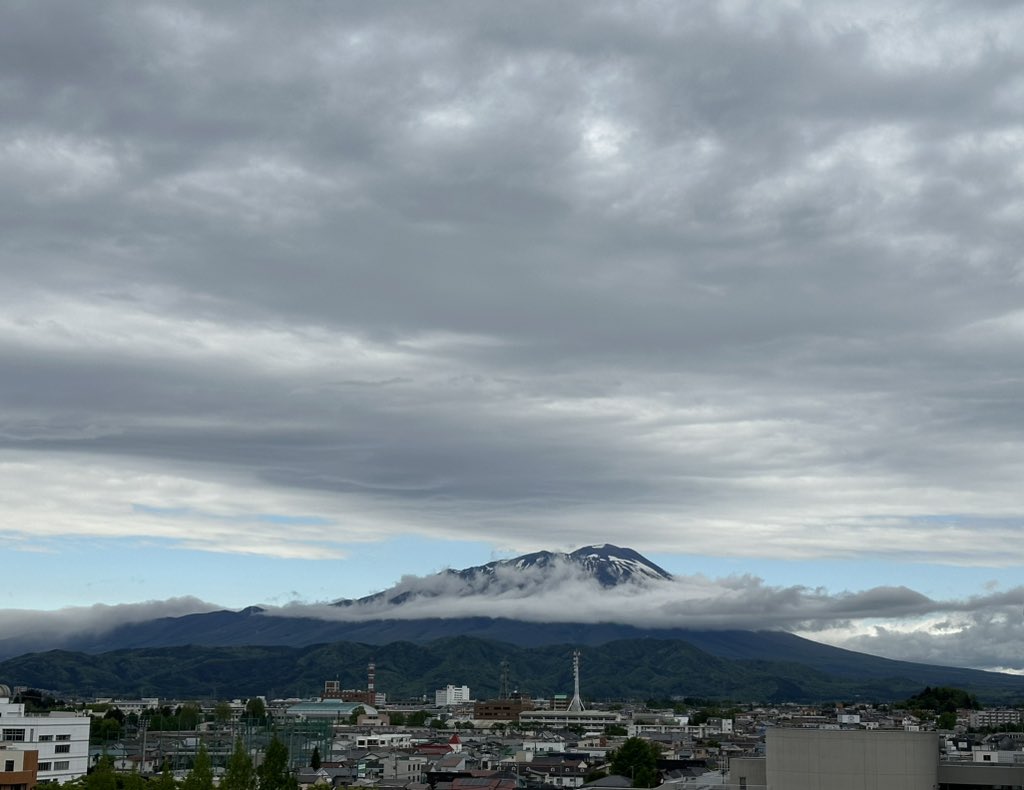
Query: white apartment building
[128, 706]
[993, 718]
[60, 737]
[452, 695]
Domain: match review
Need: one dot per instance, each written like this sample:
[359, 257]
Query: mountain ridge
[600, 567]
[621, 669]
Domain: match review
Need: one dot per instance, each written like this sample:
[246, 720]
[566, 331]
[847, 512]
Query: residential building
[993, 718]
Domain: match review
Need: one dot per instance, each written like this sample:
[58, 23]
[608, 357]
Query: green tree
[418, 718]
[132, 782]
[189, 717]
[273, 773]
[239, 774]
[942, 699]
[102, 777]
[201, 775]
[255, 709]
[166, 780]
[638, 759]
[397, 719]
[615, 730]
[946, 720]
[353, 718]
[222, 712]
[314, 759]
[104, 730]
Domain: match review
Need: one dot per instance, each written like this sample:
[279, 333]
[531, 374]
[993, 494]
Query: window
[62, 748]
[8, 765]
[12, 734]
[45, 737]
[44, 766]
[64, 737]
[61, 765]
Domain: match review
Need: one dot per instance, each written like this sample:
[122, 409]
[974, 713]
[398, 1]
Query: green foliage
[942, 699]
[36, 701]
[104, 730]
[418, 718]
[615, 730]
[239, 773]
[314, 759]
[255, 709]
[201, 775]
[397, 719]
[131, 782]
[273, 773]
[946, 720]
[189, 716]
[353, 718]
[222, 712]
[660, 669]
[166, 780]
[636, 758]
[102, 776]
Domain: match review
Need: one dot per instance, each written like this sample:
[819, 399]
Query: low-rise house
[556, 770]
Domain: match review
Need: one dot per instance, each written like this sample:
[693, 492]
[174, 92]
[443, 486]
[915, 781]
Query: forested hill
[626, 668]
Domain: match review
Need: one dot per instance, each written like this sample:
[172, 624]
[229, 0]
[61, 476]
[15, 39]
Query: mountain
[631, 668]
[423, 610]
[610, 566]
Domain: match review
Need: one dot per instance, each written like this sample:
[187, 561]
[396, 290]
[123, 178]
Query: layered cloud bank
[982, 632]
[382, 270]
[728, 279]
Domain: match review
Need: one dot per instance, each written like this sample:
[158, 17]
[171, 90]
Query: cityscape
[346, 737]
[481, 395]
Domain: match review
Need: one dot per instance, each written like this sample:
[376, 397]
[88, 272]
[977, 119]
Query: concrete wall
[748, 773]
[972, 775]
[800, 759]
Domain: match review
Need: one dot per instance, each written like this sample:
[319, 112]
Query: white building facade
[60, 737]
[452, 695]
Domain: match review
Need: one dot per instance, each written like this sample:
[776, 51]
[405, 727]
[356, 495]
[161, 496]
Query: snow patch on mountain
[602, 566]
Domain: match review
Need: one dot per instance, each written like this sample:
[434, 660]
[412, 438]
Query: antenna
[503, 685]
[577, 703]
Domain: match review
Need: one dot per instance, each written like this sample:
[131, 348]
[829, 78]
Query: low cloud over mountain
[983, 631]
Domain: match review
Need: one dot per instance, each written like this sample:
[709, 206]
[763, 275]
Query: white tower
[577, 703]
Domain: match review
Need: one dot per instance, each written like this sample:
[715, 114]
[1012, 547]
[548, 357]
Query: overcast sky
[299, 298]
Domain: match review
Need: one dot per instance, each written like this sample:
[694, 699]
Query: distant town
[358, 737]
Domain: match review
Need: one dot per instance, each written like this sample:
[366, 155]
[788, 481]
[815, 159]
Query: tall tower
[371, 685]
[503, 692]
[577, 703]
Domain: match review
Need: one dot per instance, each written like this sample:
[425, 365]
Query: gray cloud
[19, 625]
[518, 271]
